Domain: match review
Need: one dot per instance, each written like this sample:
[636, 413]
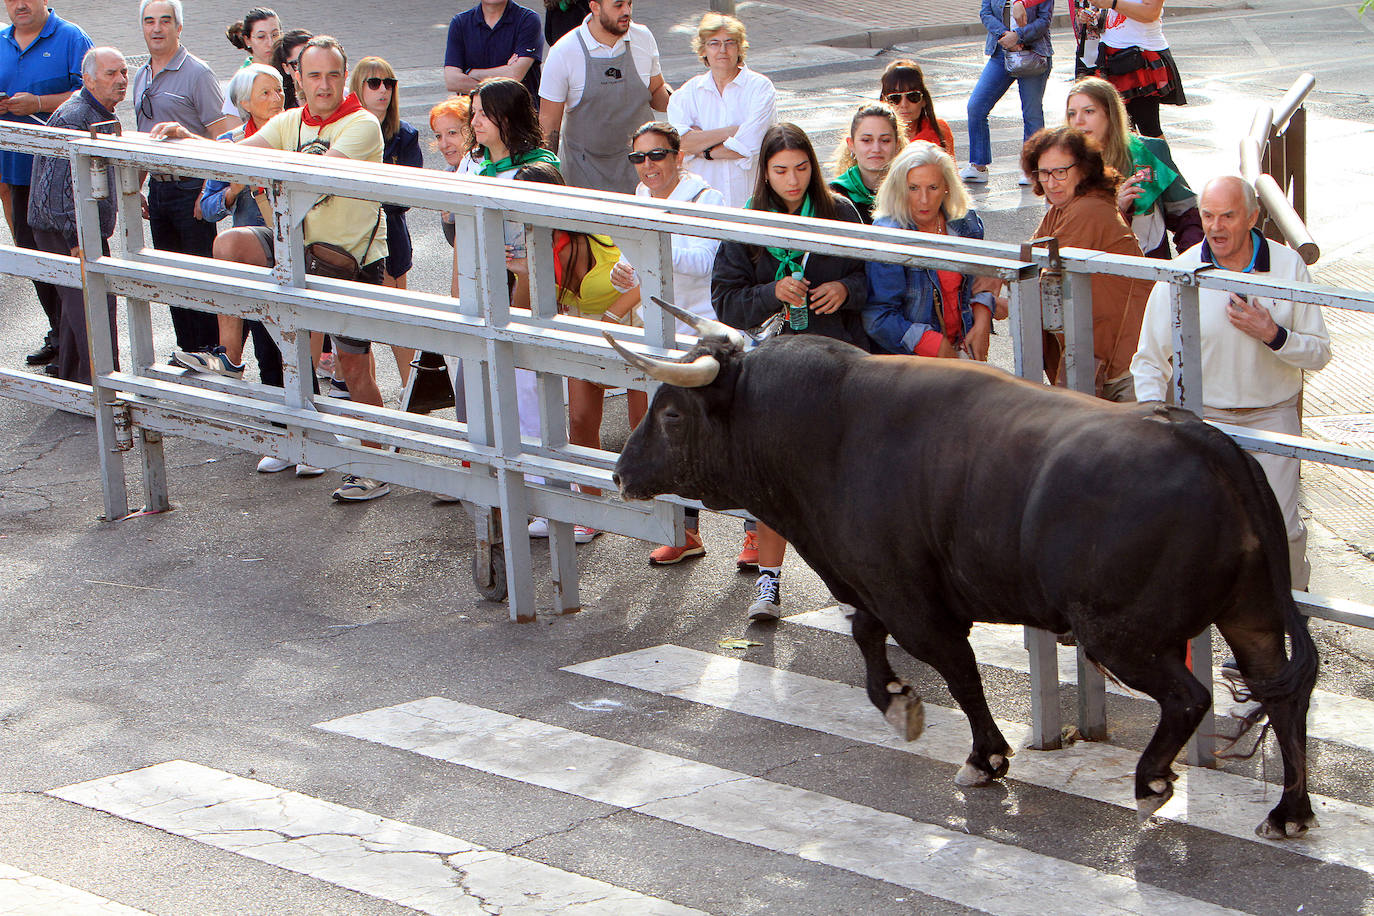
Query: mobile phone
[1146, 173]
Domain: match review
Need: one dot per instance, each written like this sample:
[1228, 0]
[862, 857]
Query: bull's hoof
[1161, 790]
[972, 777]
[1290, 830]
[906, 713]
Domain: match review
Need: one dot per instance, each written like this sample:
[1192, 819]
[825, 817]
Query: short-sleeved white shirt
[565, 67]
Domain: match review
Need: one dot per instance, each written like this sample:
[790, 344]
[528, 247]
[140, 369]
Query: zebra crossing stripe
[25, 894]
[1334, 717]
[969, 870]
[353, 849]
[1211, 799]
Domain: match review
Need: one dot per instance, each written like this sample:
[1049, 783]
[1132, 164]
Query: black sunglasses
[656, 155]
[377, 82]
[145, 103]
[912, 97]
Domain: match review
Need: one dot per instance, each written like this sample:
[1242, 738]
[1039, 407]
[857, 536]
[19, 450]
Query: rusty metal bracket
[100, 185]
[1051, 282]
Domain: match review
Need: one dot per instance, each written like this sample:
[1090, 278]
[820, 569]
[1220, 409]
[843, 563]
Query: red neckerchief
[350, 105]
[250, 127]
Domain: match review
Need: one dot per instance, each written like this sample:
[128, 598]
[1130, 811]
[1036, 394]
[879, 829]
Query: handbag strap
[362, 262]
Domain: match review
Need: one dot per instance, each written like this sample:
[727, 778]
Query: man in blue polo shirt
[494, 38]
[40, 66]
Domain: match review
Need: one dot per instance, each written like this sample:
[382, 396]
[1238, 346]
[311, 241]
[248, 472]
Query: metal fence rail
[144, 401]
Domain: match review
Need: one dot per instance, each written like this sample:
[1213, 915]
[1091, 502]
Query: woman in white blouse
[722, 114]
[655, 152]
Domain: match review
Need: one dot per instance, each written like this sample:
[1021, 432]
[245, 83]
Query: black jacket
[742, 287]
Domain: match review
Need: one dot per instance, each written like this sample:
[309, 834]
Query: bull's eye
[670, 415]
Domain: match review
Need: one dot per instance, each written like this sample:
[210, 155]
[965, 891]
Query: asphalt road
[227, 632]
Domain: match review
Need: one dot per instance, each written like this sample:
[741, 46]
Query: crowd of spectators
[595, 111]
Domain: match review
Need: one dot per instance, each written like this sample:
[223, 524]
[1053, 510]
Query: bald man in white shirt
[1254, 349]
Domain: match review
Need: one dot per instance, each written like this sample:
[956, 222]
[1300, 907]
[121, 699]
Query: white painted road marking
[1333, 717]
[968, 870]
[372, 855]
[26, 894]
[1221, 802]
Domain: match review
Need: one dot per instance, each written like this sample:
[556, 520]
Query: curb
[880, 39]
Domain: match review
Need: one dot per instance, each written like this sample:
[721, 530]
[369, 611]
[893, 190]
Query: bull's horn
[699, 373]
[705, 327]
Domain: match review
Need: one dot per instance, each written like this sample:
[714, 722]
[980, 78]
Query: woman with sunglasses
[286, 57]
[374, 83]
[817, 294]
[655, 152]
[861, 161]
[904, 88]
[1067, 169]
[721, 114]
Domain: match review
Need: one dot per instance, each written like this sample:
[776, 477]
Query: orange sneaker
[667, 555]
[749, 554]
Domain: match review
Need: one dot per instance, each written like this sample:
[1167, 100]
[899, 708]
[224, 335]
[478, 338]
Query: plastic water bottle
[799, 316]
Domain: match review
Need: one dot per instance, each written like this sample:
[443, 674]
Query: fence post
[1027, 345]
[1081, 373]
[1187, 390]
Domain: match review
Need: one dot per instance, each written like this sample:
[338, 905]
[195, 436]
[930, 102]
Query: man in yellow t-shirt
[329, 124]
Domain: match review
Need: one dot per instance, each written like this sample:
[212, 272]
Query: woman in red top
[904, 88]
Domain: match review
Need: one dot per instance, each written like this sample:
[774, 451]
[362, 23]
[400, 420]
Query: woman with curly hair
[1067, 169]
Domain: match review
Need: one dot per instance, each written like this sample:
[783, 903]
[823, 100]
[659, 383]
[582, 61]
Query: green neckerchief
[852, 182]
[1164, 175]
[491, 169]
[789, 260]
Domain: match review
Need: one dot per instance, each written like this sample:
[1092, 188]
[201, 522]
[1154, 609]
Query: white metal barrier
[145, 400]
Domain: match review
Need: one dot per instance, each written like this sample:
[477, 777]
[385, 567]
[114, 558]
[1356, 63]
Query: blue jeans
[992, 85]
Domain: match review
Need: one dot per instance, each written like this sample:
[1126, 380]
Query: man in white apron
[601, 81]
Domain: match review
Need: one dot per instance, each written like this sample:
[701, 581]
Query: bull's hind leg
[894, 697]
[1182, 704]
[1260, 655]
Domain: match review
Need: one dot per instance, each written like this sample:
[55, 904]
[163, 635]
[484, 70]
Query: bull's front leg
[952, 656]
[894, 697]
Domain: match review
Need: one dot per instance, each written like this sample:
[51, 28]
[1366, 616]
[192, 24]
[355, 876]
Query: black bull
[931, 494]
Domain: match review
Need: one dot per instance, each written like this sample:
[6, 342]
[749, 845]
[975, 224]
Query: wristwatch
[706, 153]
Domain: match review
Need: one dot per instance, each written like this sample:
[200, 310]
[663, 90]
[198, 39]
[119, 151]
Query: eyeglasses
[145, 104]
[912, 97]
[715, 44]
[377, 82]
[1056, 174]
[654, 155]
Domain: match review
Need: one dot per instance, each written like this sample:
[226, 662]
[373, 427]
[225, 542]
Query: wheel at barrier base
[490, 575]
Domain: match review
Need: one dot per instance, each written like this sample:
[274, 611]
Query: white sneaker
[974, 175]
[308, 470]
[271, 464]
[357, 489]
[539, 527]
[584, 535]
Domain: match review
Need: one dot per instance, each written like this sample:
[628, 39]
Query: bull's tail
[1296, 679]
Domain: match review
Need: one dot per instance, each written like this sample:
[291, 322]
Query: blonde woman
[922, 310]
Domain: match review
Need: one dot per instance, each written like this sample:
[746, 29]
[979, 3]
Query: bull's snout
[615, 479]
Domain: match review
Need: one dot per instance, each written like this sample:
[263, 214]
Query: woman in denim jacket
[1003, 36]
[922, 310]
